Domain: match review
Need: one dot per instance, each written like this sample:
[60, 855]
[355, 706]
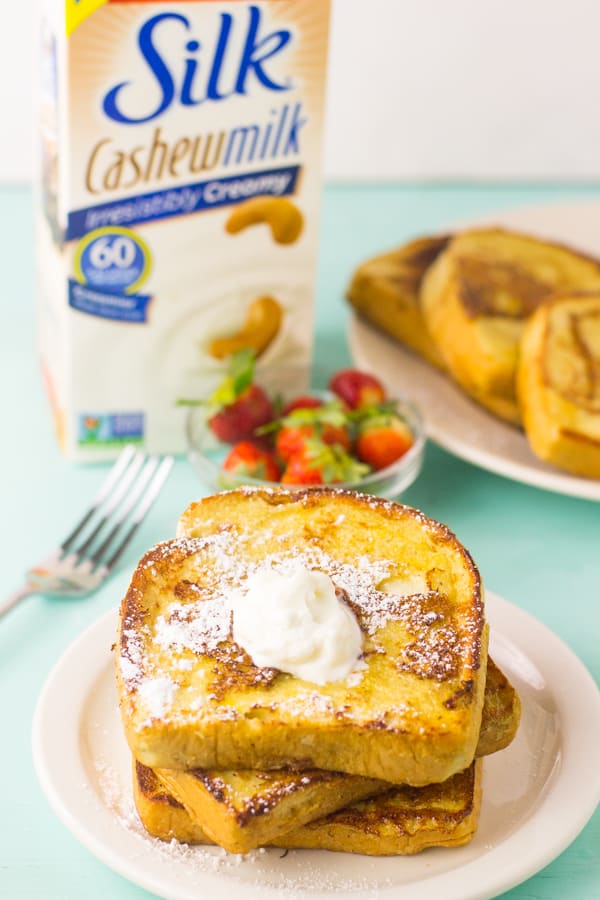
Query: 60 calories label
[110, 265]
[113, 258]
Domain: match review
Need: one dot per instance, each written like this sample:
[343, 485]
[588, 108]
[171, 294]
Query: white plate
[538, 793]
[451, 419]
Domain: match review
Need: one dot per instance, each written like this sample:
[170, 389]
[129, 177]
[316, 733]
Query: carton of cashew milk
[179, 204]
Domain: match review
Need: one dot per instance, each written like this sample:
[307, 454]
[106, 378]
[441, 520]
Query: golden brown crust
[385, 291]
[482, 284]
[508, 274]
[403, 821]
[243, 810]
[501, 712]
[160, 813]
[150, 786]
[559, 382]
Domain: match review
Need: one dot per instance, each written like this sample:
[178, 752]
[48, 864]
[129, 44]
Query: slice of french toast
[477, 296]
[245, 809]
[401, 821]
[559, 382]
[501, 712]
[385, 290]
[411, 710]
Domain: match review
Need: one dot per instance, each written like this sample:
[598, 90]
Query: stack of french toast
[384, 758]
[514, 320]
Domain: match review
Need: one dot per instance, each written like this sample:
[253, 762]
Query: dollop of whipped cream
[295, 622]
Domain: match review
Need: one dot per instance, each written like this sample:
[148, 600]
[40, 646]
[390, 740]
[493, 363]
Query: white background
[418, 89]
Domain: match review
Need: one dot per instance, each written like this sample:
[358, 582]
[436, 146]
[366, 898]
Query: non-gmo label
[110, 429]
[116, 260]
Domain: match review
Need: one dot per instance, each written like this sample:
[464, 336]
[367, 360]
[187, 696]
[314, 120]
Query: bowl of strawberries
[266, 427]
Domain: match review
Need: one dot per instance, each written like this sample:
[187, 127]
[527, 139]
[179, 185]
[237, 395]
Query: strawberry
[382, 439]
[291, 439]
[303, 402]
[326, 422]
[238, 406]
[357, 389]
[301, 469]
[239, 420]
[247, 459]
[321, 463]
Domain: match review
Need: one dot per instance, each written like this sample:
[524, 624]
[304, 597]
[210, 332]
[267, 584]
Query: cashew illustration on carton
[263, 321]
[280, 214]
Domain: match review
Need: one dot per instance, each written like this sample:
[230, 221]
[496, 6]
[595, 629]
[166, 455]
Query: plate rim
[578, 756]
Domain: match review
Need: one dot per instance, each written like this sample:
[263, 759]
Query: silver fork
[92, 549]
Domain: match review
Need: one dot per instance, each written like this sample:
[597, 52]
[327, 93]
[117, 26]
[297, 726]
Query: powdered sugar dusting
[157, 694]
[200, 627]
[198, 620]
[132, 656]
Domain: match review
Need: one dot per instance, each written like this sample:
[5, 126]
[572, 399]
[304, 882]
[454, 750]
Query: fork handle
[15, 598]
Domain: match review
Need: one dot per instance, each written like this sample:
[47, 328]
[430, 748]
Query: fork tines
[124, 499]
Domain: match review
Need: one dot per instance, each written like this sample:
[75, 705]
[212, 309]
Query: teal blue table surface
[539, 550]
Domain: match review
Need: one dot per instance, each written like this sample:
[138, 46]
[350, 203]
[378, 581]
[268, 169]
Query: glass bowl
[206, 452]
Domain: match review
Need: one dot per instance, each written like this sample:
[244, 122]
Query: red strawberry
[292, 439]
[239, 420]
[238, 406]
[327, 422]
[303, 402]
[357, 389]
[383, 439]
[248, 460]
[301, 469]
[320, 463]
